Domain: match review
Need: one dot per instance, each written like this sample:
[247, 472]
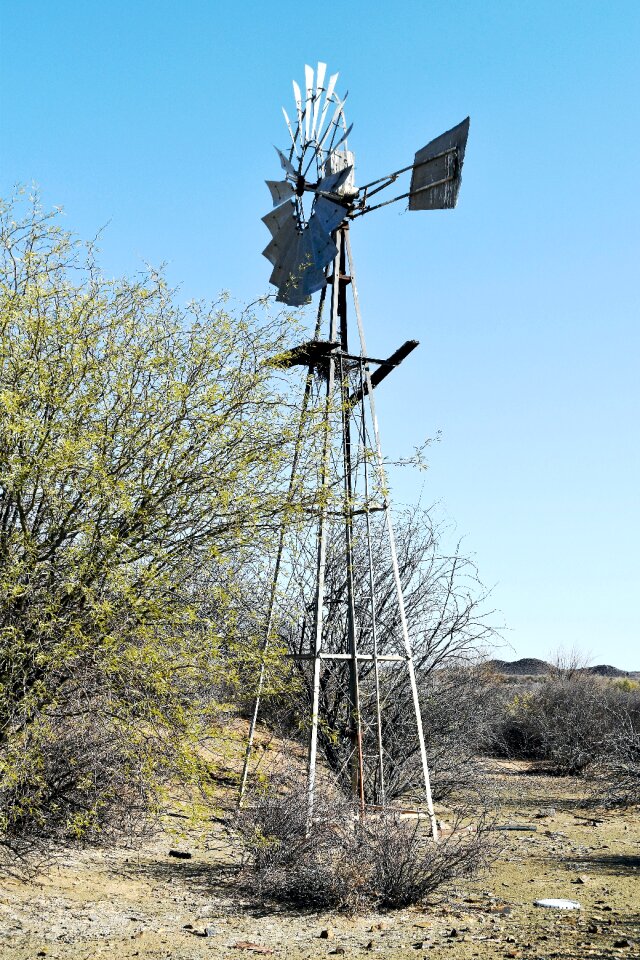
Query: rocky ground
[148, 903]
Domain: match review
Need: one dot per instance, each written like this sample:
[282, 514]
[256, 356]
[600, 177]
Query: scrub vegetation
[144, 455]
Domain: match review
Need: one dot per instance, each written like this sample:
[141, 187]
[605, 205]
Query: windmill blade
[437, 168]
[342, 138]
[320, 75]
[286, 165]
[299, 258]
[308, 77]
[309, 273]
[282, 248]
[323, 244]
[287, 262]
[271, 252]
[278, 219]
[283, 253]
[330, 214]
[333, 182]
[332, 84]
[296, 275]
[298, 99]
[333, 123]
[292, 299]
[280, 190]
[289, 127]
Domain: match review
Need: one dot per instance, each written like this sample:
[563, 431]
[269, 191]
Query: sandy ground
[145, 903]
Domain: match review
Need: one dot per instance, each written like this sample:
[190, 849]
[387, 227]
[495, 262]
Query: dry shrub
[66, 780]
[617, 774]
[573, 722]
[319, 868]
[407, 866]
[345, 863]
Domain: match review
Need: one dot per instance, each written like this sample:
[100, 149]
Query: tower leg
[322, 553]
[357, 761]
[278, 563]
[394, 561]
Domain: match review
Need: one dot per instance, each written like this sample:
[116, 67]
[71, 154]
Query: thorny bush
[342, 862]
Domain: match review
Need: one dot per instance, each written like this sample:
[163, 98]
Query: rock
[384, 925]
[327, 934]
[624, 942]
[593, 928]
[370, 946]
[582, 879]
[210, 931]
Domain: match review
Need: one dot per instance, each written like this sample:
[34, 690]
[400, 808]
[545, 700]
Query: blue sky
[158, 119]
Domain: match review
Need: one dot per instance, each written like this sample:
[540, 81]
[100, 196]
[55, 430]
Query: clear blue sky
[159, 118]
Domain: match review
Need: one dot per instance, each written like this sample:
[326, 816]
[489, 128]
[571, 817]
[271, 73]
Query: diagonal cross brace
[385, 368]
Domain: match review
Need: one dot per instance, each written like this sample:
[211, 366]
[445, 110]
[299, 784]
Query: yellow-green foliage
[142, 447]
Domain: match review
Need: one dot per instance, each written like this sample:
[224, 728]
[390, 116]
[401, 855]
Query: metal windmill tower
[314, 205]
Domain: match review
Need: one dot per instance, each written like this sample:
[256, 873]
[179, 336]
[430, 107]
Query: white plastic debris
[558, 904]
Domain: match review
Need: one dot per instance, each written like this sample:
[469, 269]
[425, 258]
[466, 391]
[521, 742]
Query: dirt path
[148, 904]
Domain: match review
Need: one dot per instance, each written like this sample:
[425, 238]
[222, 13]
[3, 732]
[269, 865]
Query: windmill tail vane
[313, 205]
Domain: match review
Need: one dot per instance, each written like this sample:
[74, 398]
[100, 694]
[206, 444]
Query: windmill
[314, 203]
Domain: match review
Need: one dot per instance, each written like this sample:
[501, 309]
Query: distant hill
[526, 667]
[605, 670]
[532, 667]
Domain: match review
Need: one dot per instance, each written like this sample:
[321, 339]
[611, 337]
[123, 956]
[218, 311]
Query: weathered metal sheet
[435, 180]
[340, 162]
[289, 127]
[322, 243]
[328, 97]
[280, 191]
[286, 165]
[279, 219]
[287, 263]
[332, 125]
[298, 98]
[320, 75]
[297, 276]
[308, 79]
[337, 172]
[282, 242]
[344, 136]
[329, 214]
